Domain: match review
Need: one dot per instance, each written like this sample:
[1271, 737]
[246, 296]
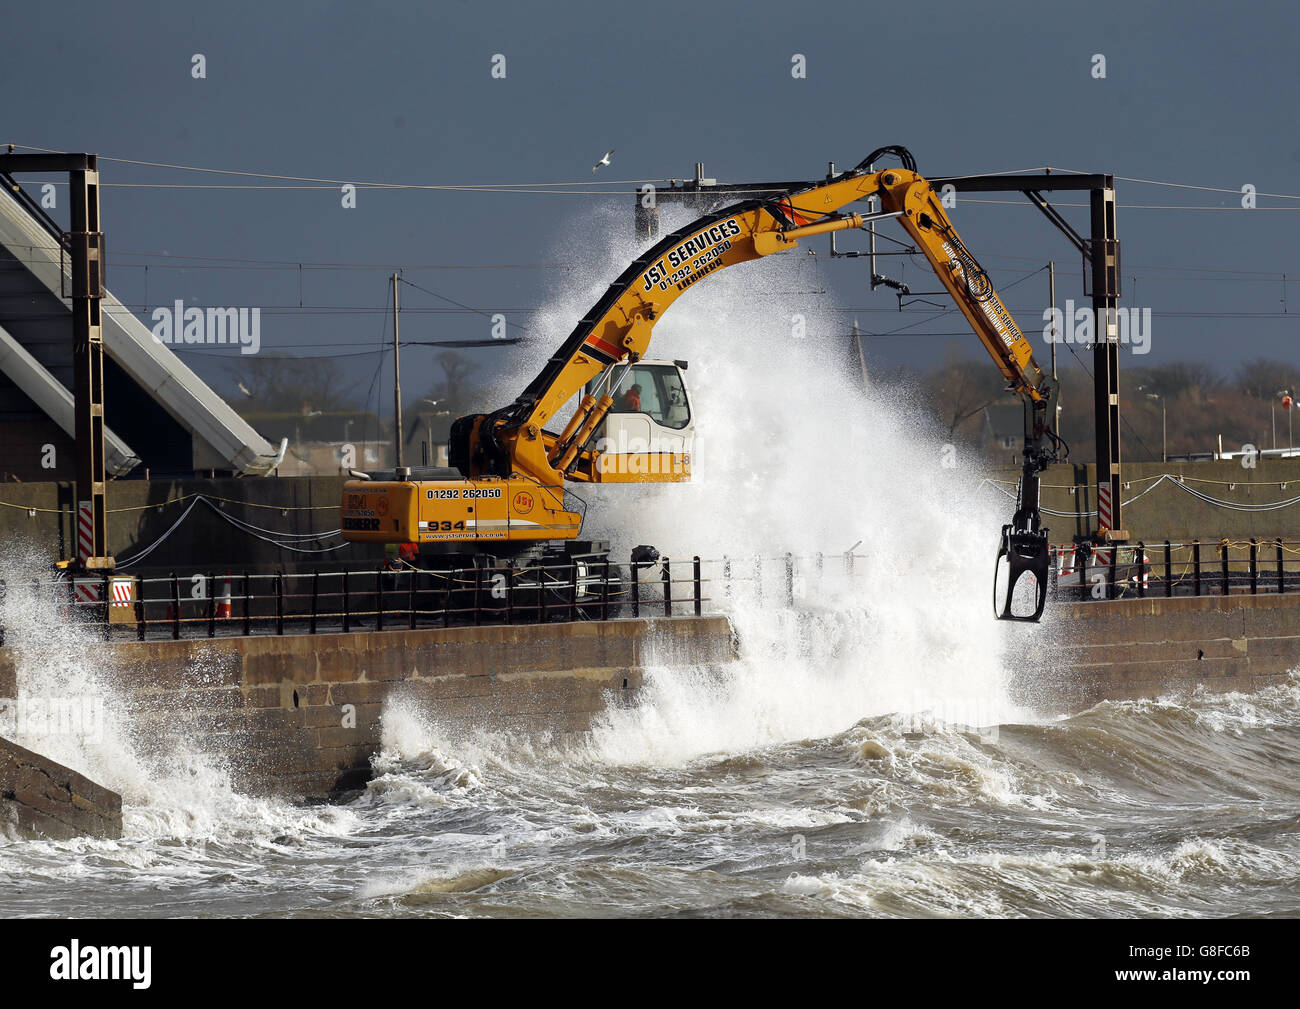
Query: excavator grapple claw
[1024, 553]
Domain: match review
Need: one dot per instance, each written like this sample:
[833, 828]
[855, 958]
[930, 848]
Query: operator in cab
[632, 400]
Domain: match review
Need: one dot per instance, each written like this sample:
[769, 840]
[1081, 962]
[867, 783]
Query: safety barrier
[1195, 568]
[390, 597]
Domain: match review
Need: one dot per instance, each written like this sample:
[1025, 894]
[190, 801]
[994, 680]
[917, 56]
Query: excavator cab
[649, 432]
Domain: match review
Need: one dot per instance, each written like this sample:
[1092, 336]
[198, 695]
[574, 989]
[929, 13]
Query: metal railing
[214, 605]
[1166, 569]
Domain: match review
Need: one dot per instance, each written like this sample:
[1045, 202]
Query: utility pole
[1164, 432]
[397, 382]
[1164, 425]
[1051, 298]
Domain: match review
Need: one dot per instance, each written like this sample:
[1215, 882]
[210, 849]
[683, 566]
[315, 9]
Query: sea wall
[1134, 648]
[40, 798]
[299, 715]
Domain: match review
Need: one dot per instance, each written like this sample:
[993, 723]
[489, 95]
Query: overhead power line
[580, 186]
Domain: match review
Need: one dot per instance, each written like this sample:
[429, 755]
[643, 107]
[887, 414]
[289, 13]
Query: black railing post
[510, 589]
[1111, 592]
[636, 590]
[1254, 567]
[315, 600]
[139, 609]
[379, 598]
[411, 597]
[106, 607]
[212, 605]
[176, 608]
[105, 603]
[1281, 569]
[573, 591]
[604, 591]
[478, 594]
[1223, 557]
[346, 602]
[1169, 569]
[446, 599]
[1196, 567]
[699, 586]
[248, 604]
[279, 602]
[789, 580]
[668, 587]
[1142, 569]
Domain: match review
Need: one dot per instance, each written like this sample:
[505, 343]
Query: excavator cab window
[661, 395]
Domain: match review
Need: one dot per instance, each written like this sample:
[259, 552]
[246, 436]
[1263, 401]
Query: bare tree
[288, 385]
[961, 389]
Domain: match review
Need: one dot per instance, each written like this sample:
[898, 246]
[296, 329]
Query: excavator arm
[1024, 547]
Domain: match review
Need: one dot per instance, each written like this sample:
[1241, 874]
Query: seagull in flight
[602, 162]
[245, 390]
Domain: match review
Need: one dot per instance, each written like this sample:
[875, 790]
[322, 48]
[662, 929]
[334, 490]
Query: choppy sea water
[707, 799]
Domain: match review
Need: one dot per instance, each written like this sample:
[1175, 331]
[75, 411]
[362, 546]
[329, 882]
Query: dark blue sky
[1195, 93]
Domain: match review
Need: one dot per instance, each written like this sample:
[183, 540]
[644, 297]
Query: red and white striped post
[1105, 517]
[87, 589]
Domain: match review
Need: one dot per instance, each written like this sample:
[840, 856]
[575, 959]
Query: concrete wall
[299, 715]
[309, 504]
[1170, 513]
[140, 515]
[40, 798]
[1128, 649]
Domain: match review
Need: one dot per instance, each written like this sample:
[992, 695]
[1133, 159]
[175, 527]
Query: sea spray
[794, 456]
[173, 785]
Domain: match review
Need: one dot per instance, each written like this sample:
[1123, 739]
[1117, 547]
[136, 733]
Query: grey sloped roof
[150, 363]
[53, 398]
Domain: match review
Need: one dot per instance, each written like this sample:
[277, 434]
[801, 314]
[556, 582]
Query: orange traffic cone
[223, 602]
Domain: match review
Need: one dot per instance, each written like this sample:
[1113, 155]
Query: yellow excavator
[505, 496]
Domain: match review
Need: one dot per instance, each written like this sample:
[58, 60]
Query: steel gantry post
[1104, 288]
[84, 243]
